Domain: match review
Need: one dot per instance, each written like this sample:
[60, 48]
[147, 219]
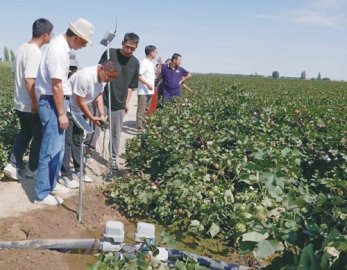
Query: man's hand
[149, 86]
[98, 120]
[63, 121]
[34, 107]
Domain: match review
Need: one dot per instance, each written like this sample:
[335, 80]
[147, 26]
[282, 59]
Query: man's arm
[58, 96]
[185, 78]
[99, 102]
[148, 85]
[30, 86]
[130, 91]
[84, 108]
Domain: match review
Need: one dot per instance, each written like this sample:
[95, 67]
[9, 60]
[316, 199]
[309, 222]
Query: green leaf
[276, 193]
[265, 248]
[180, 265]
[254, 237]
[259, 155]
[228, 196]
[308, 260]
[298, 161]
[291, 224]
[207, 178]
[285, 152]
[168, 240]
[214, 230]
[194, 223]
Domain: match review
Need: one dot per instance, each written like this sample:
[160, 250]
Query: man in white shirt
[25, 102]
[52, 75]
[87, 86]
[145, 90]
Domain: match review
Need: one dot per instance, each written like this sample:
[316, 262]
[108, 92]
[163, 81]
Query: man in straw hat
[53, 99]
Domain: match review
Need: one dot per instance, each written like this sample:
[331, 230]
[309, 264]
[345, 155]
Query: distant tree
[319, 76]
[13, 56]
[275, 74]
[303, 75]
[6, 55]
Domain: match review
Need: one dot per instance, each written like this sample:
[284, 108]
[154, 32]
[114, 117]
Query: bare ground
[21, 219]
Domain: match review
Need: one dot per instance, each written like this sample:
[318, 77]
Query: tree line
[9, 55]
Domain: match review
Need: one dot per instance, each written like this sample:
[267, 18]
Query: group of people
[47, 100]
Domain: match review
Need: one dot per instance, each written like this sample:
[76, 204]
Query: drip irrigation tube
[52, 244]
[128, 250]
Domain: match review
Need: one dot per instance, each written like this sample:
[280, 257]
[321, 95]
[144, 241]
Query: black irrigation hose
[129, 251]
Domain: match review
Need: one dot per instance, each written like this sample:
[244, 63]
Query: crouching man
[87, 86]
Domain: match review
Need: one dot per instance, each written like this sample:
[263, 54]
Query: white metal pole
[109, 113]
[81, 184]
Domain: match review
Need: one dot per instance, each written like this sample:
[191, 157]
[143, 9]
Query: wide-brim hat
[82, 28]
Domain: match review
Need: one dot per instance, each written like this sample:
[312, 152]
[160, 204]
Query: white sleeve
[57, 66]
[143, 68]
[81, 85]
[32, 63]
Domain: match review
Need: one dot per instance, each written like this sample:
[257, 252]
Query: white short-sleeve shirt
[54, 65]
[26, 66]
[147, 70]
[84, 83]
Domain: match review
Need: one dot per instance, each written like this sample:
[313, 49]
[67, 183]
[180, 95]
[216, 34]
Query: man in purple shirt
[173, 75]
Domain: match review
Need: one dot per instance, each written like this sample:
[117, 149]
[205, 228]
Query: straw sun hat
[82, 28]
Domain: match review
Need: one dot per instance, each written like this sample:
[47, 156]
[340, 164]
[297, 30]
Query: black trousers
[73, 141]
[30, 130]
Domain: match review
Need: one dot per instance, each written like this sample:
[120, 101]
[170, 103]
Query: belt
[51, 96]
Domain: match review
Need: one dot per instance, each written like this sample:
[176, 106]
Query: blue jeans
[52, 148]
[30, 130]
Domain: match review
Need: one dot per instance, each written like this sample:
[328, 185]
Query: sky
[213, 36]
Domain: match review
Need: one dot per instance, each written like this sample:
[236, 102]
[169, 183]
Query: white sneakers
[86, 178]
[70, 183]
[50, 200]
[11, 172]
[59, 188]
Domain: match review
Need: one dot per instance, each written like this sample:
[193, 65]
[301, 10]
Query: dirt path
[21, 219]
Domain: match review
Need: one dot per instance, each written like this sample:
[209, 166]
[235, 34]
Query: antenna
[109, 36]
[115, 29]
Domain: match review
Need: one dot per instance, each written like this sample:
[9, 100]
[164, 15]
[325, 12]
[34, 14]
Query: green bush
[260, 162]
[8, 121]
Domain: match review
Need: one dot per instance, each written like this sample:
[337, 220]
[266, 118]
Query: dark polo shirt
[171, 80]
[128, 78]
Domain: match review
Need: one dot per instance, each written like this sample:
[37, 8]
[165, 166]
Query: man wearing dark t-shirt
[121, 88]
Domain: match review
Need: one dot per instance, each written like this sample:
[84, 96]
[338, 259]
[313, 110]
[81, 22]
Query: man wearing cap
[52, 94]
